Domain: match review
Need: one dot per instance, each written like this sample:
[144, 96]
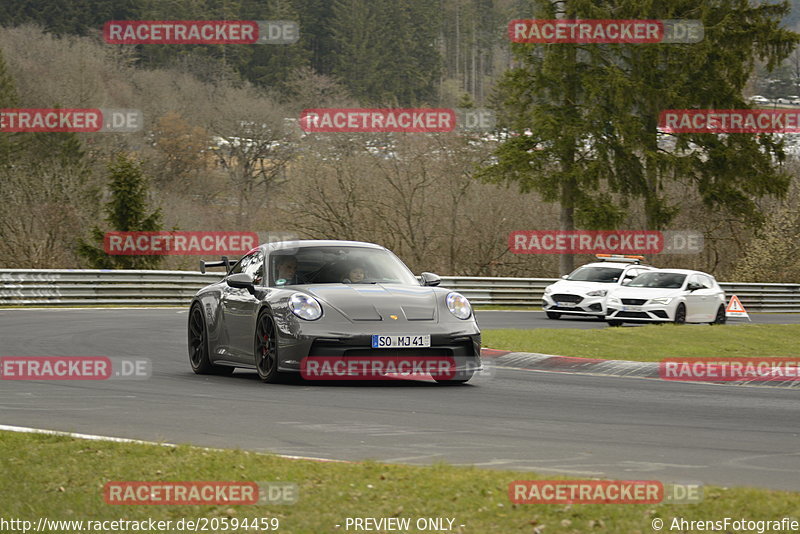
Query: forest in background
[384, 52]
[416, 194]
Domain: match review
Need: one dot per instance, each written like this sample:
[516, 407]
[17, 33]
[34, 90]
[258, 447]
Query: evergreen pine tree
[127, 211]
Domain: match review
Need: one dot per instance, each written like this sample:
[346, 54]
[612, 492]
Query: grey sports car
[289, 303]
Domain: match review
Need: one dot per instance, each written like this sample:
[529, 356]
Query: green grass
[652, 342]
[63, 478]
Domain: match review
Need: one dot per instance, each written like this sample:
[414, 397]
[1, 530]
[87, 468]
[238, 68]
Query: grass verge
[62, 478]
[651, 343]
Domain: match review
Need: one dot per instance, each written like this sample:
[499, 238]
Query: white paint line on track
[92, 437]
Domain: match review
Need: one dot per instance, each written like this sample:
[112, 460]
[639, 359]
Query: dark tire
[462, 377]
[198, 346]
[680, 314]
[721, 318]
[266, 349]
[613, 322]
[553, 315]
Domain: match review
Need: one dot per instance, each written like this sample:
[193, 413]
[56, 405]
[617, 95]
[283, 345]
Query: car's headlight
[548, 290]
[597, 293]
[305, 307]
[458, 305]
[661, 300]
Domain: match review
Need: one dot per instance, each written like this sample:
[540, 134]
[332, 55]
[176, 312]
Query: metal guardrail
[67, 287]
[528, 292]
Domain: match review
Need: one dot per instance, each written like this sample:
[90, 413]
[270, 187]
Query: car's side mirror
[626, 281]
[564, 276]
[693, 287]
[241, 281]
[430, 279]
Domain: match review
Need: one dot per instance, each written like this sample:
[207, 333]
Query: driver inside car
[286, 271]
[355, 275]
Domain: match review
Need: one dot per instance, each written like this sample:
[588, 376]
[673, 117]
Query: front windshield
[662, 280]
[338, 265]
[596, 274]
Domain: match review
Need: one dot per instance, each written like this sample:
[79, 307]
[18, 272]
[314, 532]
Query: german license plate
[631, 308]
[566, 304]
[400, 341]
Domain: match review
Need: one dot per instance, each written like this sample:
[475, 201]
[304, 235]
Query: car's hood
[580, 288]
[376, 302]
[645, 292]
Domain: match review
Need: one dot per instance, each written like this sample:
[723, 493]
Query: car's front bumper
[593, 306]
[461, 342]
[647, 313]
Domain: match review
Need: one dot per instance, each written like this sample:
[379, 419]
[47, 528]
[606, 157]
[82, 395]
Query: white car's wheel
[680, 314]
[721, 318]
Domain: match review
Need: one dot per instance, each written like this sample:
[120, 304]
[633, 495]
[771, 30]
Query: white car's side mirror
[564, 276]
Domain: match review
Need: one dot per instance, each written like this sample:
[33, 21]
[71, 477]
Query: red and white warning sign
[735, 308]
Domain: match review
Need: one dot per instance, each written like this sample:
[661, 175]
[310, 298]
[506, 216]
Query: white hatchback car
[667, 295]
[583, 291]
[758, 99]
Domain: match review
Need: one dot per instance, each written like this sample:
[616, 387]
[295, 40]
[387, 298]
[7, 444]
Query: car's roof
[682, 271]
[304, 243]
[616, 265]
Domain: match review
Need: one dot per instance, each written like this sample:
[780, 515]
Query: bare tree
[45, 206]
[253, 144]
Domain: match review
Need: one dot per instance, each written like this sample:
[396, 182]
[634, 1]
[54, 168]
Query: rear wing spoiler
[224, 262]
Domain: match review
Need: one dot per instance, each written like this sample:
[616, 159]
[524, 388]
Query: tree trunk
[566, 262]
[652, 202]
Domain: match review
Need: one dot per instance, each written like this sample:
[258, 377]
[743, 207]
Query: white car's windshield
[661, 280]
[338, 265]
[596, 274]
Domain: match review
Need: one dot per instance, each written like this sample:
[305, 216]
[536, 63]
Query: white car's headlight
[548, 290]
[661, 300]
[305, 307]
[458, 305]
[597, 293]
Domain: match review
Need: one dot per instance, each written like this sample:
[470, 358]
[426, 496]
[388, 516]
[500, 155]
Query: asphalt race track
[552, 423]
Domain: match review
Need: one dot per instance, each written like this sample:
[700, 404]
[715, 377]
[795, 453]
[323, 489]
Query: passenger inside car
[355, 275]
